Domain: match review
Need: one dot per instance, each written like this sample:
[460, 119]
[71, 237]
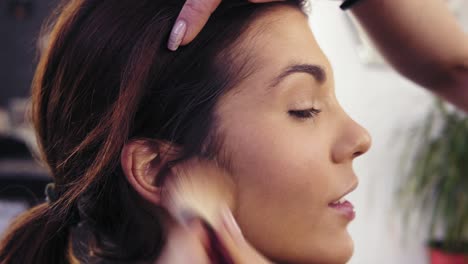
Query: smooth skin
[289, 144]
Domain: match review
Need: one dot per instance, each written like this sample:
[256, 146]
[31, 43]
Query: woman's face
[291, 146]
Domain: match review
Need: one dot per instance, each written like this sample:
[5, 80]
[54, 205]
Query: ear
[143, 162]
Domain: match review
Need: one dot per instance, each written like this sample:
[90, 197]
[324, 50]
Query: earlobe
[143, 163]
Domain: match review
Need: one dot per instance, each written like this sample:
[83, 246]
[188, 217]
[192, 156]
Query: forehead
[284, 35]
[279, 38]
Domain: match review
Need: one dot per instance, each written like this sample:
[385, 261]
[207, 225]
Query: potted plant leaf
[435, 186]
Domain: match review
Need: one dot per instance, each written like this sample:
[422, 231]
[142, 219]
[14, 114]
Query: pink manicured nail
[177, 35]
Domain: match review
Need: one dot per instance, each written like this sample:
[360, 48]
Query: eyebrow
[315, 70]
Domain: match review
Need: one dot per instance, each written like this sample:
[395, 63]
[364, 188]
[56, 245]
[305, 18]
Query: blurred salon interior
[392, 108]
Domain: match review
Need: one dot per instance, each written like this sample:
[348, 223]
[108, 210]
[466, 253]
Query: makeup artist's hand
[192, 19]
[185, 245]
[194, 244]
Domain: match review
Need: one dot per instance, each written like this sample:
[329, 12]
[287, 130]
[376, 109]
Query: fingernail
[231, 224]
[177, 34]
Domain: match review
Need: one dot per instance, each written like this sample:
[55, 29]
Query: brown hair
[107, 77]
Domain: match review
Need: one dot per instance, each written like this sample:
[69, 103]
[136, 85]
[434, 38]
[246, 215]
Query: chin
[340, 253]
[335, 253]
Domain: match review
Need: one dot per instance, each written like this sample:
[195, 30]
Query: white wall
[387, 105]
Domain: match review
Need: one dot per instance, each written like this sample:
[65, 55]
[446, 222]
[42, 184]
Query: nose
[353, 141]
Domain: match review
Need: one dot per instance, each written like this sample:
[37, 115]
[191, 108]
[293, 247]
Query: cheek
[287, 160]
[283, 177]
[270, 163]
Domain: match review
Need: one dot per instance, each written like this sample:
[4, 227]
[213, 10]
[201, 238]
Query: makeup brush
[200, 189]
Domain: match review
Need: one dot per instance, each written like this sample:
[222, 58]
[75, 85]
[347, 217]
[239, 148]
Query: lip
[346, 209]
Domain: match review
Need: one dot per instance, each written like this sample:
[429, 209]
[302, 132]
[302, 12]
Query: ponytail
[37, 236]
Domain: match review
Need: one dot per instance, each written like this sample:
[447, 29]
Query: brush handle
[200, 242]
[217, 252]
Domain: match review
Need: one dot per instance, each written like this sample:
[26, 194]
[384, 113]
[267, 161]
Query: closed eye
[305, 113]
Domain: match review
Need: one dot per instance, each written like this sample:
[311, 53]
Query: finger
[191, 20]
[185, 245]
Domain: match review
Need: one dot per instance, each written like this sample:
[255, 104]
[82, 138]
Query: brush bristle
[198, 188]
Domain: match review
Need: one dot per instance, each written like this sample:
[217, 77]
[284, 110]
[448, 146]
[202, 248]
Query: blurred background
[22, 180]
[393, 109]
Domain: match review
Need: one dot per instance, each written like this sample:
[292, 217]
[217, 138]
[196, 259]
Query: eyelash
[306, 113]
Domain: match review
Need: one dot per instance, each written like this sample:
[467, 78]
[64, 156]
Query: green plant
[436, 185]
